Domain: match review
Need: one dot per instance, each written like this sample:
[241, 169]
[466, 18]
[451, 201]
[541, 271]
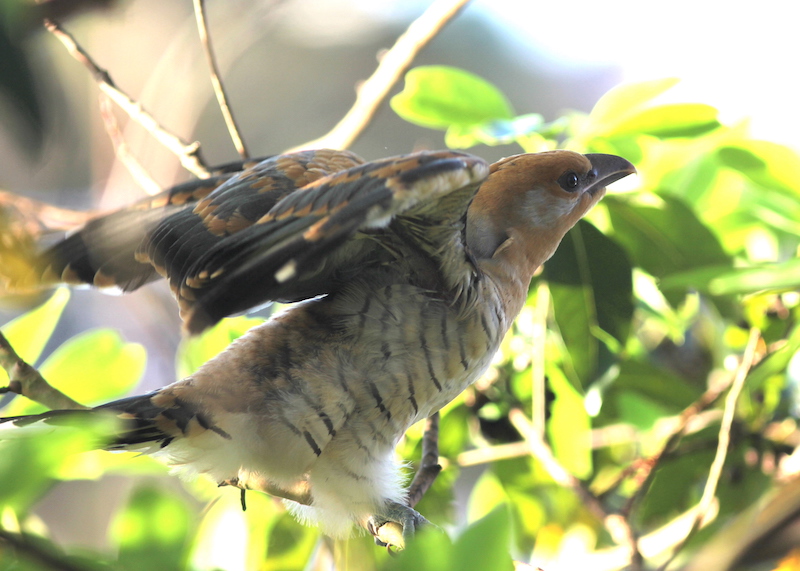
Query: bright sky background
[741, 58]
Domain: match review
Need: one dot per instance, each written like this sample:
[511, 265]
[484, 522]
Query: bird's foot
[395, 525]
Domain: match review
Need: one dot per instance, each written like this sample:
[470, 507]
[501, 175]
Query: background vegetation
[624, 360]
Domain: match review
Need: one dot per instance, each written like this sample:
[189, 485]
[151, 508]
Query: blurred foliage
[647, 304]
[20, 82]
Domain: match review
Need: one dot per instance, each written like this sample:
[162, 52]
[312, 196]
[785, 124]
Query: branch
[121, 150]
[187, 153]
[216, 82]
[618, 527]
[36, 552]
[714, 474]
[489, 454]
[26, 381]
[393, 65]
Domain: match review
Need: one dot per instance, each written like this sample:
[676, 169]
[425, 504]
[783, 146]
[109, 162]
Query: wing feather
[296, 249]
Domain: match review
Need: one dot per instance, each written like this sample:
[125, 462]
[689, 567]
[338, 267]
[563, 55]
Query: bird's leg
[395, 525]
[398, 522]
[429, 467]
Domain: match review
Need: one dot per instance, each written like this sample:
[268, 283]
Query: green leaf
[195, 351]
[569, 428]
[653, 383]
[431, 550]
[486, 496]
[485, 544]
[623, 102]
[664, 238]
[439, 97]
[153, 531]
[768, 164]
[29, 333]
[675, 485]
[775, 363]
[725, 280]
[30, 457]
[592, 291]
[638, 410]
[675, 120]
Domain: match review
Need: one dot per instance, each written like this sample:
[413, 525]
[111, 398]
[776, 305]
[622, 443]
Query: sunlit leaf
[725, 280]
[624, 101]
[675, 120]
[569, 428]
[487, 495]
[766, 163]
[439, 97]
[29, 333]
[222, 538]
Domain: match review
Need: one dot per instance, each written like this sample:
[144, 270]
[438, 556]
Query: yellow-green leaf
[674, 120]
[439, 97]
[569, 427]
[29, 333]
[624, 101]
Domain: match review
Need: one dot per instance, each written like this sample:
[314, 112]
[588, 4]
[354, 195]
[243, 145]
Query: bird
[407, 272]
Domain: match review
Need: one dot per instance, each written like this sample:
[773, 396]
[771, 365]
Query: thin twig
[429, 467]
[216, 82]
[121, 150]
[26, 381]
[38, 217]
[617, 526]
[494, 453]
[723, 443]
[187, 153]
[689, 414]
[392, 66]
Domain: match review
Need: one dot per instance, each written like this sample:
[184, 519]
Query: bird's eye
[569, 181]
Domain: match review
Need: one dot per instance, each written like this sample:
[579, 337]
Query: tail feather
[132, 431]
[150, 421]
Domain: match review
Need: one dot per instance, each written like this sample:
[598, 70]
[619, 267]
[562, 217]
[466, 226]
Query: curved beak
[607, 169]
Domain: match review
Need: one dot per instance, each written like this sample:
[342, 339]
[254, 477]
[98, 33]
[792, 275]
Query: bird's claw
[395, 525]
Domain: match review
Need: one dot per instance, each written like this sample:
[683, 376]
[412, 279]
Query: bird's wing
[218, 265]
[103, 253]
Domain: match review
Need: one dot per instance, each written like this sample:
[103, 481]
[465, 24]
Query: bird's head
[530, 201]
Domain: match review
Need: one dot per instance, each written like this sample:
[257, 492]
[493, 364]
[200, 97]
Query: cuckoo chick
[411, 269]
